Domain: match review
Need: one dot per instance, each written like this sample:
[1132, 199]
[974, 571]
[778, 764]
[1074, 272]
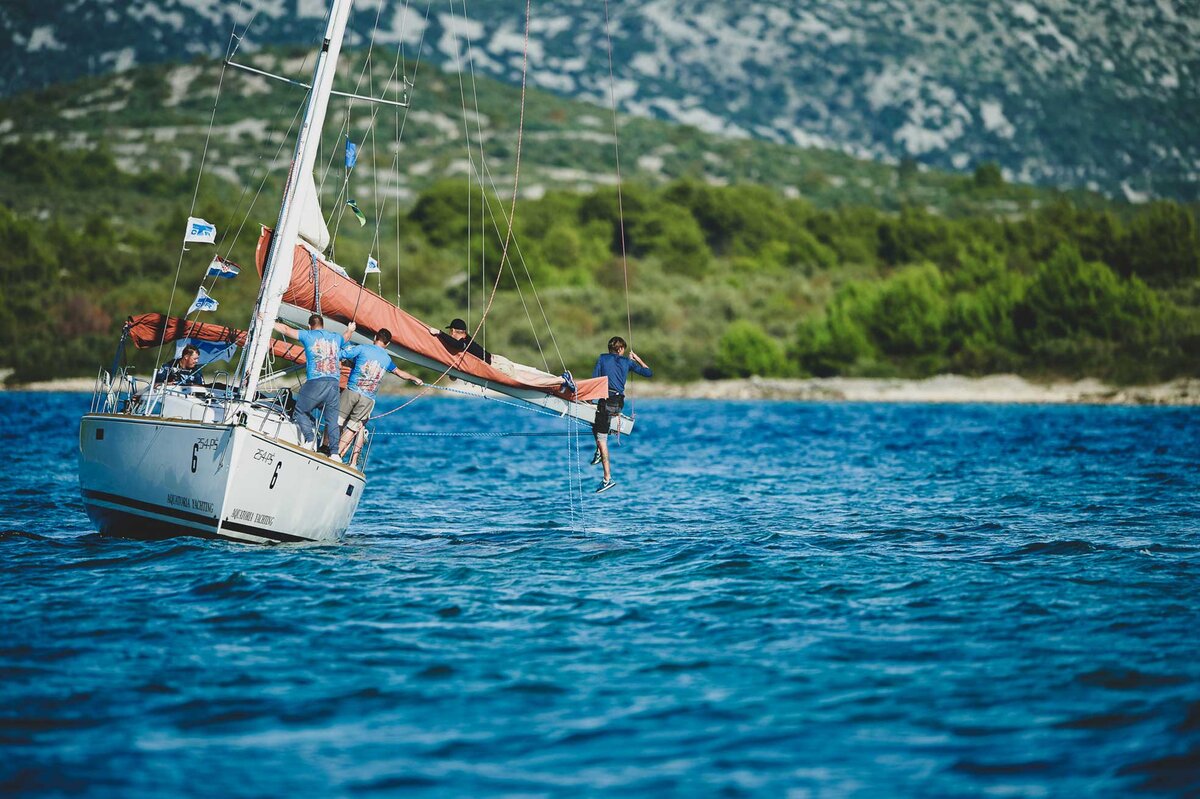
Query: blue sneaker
[607, 484]
[596, 457]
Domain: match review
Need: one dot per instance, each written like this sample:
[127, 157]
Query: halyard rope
[508, 235]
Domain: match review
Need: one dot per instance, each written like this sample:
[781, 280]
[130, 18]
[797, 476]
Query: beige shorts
[354, 409]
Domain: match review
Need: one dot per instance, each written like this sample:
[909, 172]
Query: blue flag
[351, 154]
[220, 267]
[210, 351]
[372, 266]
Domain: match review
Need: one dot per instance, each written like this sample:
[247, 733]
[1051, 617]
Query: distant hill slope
[155, 119]
[841, 267]
[1099, 93]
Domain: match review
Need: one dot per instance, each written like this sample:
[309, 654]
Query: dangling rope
[612, 95]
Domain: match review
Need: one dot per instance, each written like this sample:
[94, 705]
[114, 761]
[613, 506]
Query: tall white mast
[277, 272]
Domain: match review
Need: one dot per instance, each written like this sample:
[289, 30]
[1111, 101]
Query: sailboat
[159, 460]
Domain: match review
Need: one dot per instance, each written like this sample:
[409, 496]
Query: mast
[277, 271]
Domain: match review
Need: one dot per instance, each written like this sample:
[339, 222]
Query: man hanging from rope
[616, 366]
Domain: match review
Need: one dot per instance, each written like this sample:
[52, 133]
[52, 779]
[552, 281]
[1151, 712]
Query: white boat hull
[158, 477]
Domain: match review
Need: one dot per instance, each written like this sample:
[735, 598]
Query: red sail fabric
[345, 300]
[152, 329]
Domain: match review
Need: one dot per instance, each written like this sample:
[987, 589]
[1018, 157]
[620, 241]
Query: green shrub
[745, 350]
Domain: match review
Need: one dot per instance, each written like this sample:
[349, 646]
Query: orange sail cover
[345, 300]
[152, 329]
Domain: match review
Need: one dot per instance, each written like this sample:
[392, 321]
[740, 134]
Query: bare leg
[602, 445]
[344, 441]
[358, 446]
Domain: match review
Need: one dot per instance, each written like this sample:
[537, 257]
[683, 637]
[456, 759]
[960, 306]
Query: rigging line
[533, 287]
[572, 469]
[479, 135]
[374, 177]
[525, 266]
[472, 434]
[278, 150]
[538, 409]
[267, 172]
[380, 205]
[516, 173]
[462, 99]
[370, 131]
[367, 69]
[402, 123]
[508, 237]
[233, 214]
[612, 94]
[195, 193]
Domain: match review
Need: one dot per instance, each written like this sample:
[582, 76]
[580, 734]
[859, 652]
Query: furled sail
[344, 300]
[312, 222]
[151, 329]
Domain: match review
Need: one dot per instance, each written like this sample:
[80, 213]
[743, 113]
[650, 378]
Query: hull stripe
[161, 510]
[261, 532]
[194, 518]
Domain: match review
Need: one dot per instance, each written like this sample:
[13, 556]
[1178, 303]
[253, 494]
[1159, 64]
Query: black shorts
[605, 410]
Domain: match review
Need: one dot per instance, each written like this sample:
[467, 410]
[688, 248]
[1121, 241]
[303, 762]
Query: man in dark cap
[457, 340]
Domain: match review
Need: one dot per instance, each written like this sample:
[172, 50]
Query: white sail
[277, 271]
[312, 222]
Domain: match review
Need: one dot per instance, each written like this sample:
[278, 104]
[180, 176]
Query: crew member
[371, 362]
[320, 389]
[616, 366]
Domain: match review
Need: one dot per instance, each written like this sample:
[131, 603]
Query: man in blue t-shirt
[371, 363]
[320, 390]
[616, 366]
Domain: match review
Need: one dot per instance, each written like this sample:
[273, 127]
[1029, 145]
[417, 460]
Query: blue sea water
[778, 599]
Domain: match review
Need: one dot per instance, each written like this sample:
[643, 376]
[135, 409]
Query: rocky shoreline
[998, 389]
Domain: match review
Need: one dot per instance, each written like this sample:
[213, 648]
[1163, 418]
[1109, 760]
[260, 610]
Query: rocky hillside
[1091, 93]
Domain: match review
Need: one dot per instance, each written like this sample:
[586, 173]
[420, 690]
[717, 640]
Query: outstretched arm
[403, 375]
[644, 371]
[290, 332]
[348, 332]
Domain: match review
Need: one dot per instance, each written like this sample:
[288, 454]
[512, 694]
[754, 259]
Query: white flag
[200, 231]
[372, 266]
[338, 269]
[203, 302]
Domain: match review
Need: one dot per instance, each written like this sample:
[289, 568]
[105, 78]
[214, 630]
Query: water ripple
[823, 600]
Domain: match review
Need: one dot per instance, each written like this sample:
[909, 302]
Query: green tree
[671, 233]
[909, 313]
[838, 341]
[745, 350]
[1161, 245]
[1076, 315]
[988, 176]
